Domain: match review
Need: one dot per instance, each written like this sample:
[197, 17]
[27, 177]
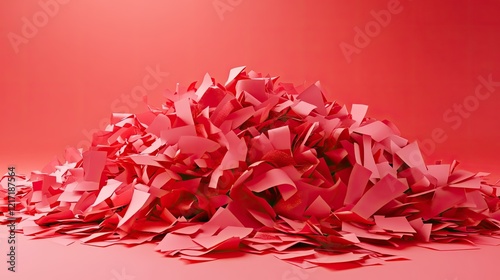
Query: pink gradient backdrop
[89, 53]
[77, 66]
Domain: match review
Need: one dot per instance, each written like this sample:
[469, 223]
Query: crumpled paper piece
[262, 167]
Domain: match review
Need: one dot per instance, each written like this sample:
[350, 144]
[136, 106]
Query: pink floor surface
[45, 259]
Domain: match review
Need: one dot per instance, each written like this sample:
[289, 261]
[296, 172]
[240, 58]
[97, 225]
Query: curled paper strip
[257, 166]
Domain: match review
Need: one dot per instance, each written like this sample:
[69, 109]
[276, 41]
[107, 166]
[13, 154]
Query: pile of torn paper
[257, 166]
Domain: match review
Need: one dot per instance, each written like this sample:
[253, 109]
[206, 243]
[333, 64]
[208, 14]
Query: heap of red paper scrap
[257, 166]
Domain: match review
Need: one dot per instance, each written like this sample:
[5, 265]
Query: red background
[75, 68]
[89, 53]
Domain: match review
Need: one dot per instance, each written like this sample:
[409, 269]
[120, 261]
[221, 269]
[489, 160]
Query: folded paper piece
[262, 167]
